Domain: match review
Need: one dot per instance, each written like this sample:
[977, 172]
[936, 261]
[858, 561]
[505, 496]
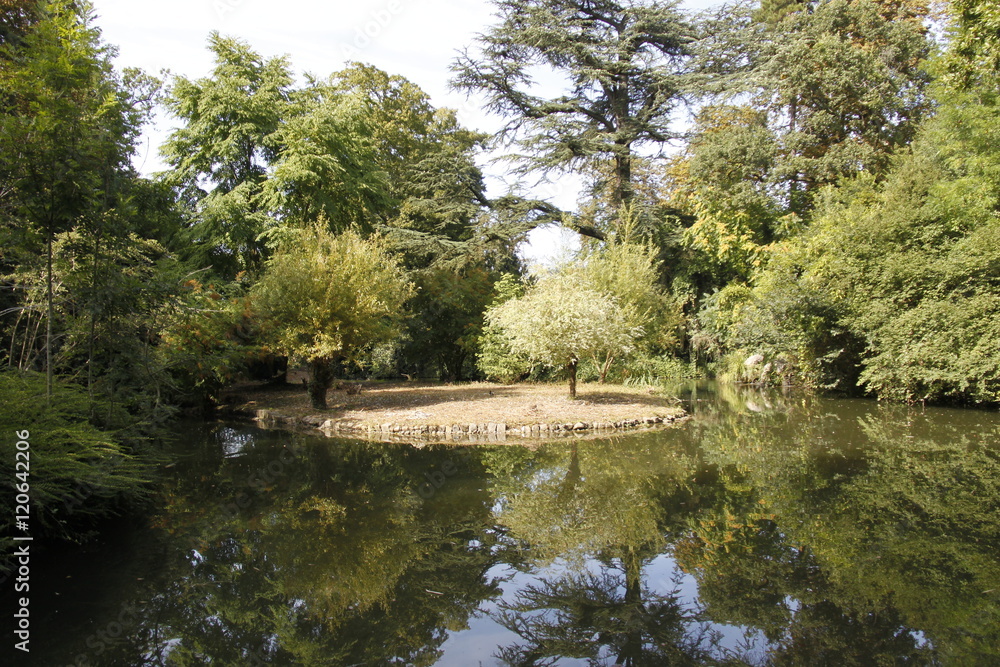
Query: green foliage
[78, 225]
[68, 119]
[109, 289]
[446, 321]
[221, 155]
[895, 280]
[642, 369]
[559, 321]
[16, 18]
[785, 321]
[621, 278]
[625, 71]
[848, 81]
[973, 60]
[112, 290]
[629, 274]
[724, 179]
[837, 87]
[77, 472]
[773, 11]
[326, 298]
[919, 261]
[362, 149]
[891, 285]
[432, 184]
[206, 341]
[496, 360]
[328, 166]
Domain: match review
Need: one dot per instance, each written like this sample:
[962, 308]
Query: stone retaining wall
[488, 432]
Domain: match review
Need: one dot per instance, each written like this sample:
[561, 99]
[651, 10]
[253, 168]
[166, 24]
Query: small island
[462, 413]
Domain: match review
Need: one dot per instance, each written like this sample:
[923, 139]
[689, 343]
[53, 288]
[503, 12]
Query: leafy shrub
[495, 359]
[206, 341]
[651, 370]
[77, 472]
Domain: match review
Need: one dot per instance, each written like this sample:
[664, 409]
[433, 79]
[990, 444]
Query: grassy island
[431, 408]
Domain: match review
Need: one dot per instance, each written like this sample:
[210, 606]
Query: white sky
[417, 39]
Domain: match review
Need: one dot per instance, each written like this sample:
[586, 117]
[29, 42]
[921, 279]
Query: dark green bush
[77, 473]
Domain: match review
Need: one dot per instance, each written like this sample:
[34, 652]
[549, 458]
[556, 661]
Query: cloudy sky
[417, 39]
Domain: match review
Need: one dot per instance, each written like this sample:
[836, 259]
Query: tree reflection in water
[843, 532]
[772, 529]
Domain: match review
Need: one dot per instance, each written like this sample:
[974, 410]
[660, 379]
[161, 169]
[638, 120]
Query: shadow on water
[773, 528]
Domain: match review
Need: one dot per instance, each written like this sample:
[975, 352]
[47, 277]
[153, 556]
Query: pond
[771, 528]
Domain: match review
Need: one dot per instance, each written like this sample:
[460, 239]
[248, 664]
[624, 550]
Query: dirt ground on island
[418, 403]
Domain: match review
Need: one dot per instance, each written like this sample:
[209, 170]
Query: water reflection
[771, 529]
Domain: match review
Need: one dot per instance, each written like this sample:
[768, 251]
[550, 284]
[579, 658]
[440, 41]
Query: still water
[770, 529]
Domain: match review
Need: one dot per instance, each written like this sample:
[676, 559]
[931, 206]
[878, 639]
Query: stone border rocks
[472, 432]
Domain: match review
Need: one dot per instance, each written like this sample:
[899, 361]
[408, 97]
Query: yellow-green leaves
[329, 297]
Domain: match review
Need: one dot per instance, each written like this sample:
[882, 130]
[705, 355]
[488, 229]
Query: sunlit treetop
[974, 54]
[624, 69]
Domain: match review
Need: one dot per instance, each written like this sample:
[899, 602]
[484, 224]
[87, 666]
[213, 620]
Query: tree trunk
[571, 366]
[623, 117]
[605, 367]
[94, 278]
[48, 322]
[320, 379]
[623, 194]
[458, 362]
[631, 649]
[569, 484]
[796, 199]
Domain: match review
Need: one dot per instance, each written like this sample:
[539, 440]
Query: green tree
[326, 298]
[974, 50]
[724, 178]
[428, 157]
[773, 11]
[911, 259]
[67, 128]
[434, 195]
[16, 18]
[915, 260]
[221, 156]
[205, 341]
[82, 472]
[447, 319]
[328, 166]
[495, 359]
[625, 66]
[842, 86]
[895, 276]
[629, 274]
[558, 322]
[846, 84]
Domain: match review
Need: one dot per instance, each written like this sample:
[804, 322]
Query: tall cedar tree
[626, 68]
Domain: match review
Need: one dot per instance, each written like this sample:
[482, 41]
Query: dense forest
[786, 192]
